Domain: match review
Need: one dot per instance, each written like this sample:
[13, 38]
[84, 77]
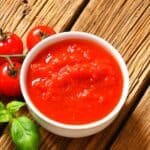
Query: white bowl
[66, 129]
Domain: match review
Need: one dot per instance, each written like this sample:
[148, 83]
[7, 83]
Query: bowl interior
[74, 35]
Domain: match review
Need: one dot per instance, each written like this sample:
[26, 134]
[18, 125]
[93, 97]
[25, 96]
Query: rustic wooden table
[126, 25]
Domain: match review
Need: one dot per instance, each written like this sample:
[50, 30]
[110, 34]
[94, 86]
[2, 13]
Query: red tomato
[10, 44]
[9, 80]
[37, 34]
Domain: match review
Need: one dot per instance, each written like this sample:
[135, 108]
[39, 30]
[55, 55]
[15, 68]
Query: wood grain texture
[136, 133]
[124, 23]
[19, 17]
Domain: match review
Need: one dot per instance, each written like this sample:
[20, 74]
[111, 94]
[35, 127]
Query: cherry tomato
[10, 44]
[9, 79]
[37, 34]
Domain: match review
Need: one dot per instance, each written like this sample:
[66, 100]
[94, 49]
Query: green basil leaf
[2, 106]
[25, 134]
[5, 116]
[14, 106]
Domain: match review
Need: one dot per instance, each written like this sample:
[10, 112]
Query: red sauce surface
[75, 82]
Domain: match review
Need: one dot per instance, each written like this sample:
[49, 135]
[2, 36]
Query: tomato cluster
[11, 54]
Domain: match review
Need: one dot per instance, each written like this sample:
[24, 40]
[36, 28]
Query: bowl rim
[74, 35]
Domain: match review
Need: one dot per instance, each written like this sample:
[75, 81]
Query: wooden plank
[136, 133]
[17, 16]
[125, 24]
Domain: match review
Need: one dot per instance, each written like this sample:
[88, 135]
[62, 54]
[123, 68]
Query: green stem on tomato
[10, 62]
[12, 71]
[3, 35]
[15, 55]
[41, 34]
[1, 31]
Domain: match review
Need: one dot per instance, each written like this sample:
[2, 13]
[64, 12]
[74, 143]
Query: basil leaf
[14, 106]
[5, 116]
[2, 106]
[25, 134]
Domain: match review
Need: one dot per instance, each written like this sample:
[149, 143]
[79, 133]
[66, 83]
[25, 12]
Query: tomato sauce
[75, 82]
